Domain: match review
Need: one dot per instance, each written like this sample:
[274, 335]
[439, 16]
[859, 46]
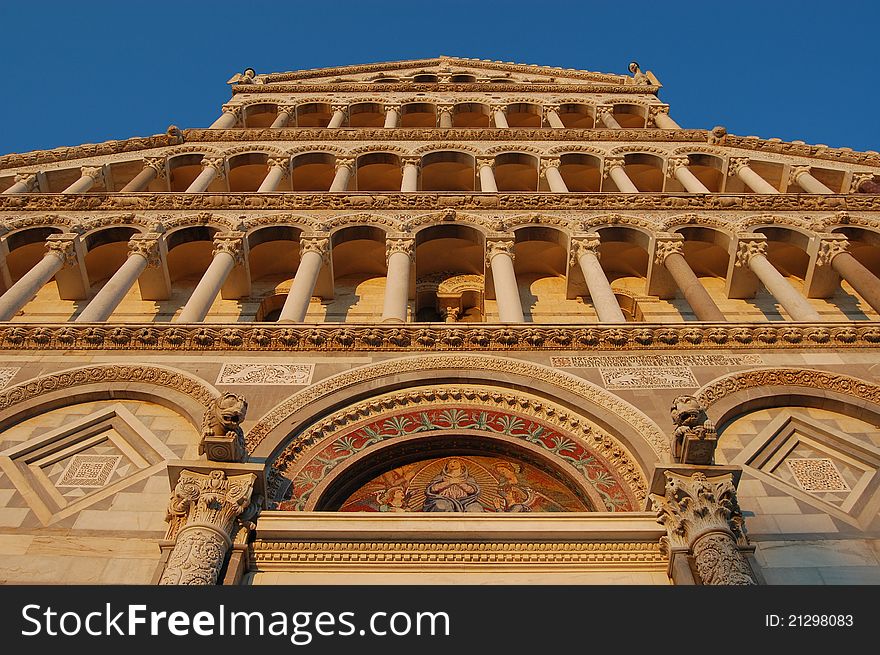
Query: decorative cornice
[430, 337]
[426, 87]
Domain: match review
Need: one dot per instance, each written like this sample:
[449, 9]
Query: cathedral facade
[440, 321]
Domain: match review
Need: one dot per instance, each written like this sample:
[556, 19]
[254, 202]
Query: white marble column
[486, 167]
[444, 113]
[342, 177]
[614, 168]
[739, 166]
[409, 181]
[670, 255]
[605, 115]
[61, 252]
[500, 258]
[399, 252]
[660, 115]
[212, 167]
[802, 177]
[91, 175]
[314, 254]
[339, 114]
[866, 284]
[278, 170]
[24, 183]
[228, 252]
[499, 115]
[677, 167]
[550, 171]
[752, 253]
[229, 118]
[154, 168]
[551, 117]
[585, 253]
[143, 251]
[392, 116]
[283, 116]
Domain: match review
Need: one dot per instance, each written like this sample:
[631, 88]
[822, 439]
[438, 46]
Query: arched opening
[184, 169]
[378, 171]
[540, 266]
[26, 248]
[418, 114]
[645, 171]
[448, 171]
[623, 254]
[576, 116]
[708, 169]
[258, 116]
[121, 173]
[190, 251]
[313, 114]
[451, 257]
[247, 171]
[522, 114]
[864, 245]
[425, 78]
[471, 115]
[581, 172]
[629, 116]
[106, 251]
[273, 257]
[366, 114]
[312, 171]
[359, 273]
[463, 78]
[516, 171]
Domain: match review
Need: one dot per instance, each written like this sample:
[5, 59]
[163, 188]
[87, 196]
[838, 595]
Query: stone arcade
[445, 320]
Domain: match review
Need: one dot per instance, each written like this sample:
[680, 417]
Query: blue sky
[82, 72]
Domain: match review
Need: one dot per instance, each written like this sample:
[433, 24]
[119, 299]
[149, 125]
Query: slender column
[499, 114]
[143, 251]
[551, 115]
[445, 112]
[314, 254]
[24, 183]
[228, 251]
[283, 117]
[339, 114]
[702, 517]
[585, 252]
[91, 175]
[866, 284]
[61, 252]
[392, 116]
[660, 115]
[487, 175]
[739, 166]
[669, 254]
[500, 259]
[550, 170]
[344, 169]
[677, 167]
[753, 254]
[278, 169]
[801, 175]
[204, 514]
[154, 167]
[229, 118]
[605, 115]
[410, 180]
[212, 167]
[614, 167]
[399, 251]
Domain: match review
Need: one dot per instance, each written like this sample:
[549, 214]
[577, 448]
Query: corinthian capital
[735, 164]
[674, 163]
[499, 247]
[666, 247]
[147, 246]
[279, 162]
[232, 243]
[858, 179]
[601, 110]
[217, 163]
[405, 245]
[550, 162]
[796, 172]
[63, 246]
[235, 110]
[28, 179]
[410, 161]
[583, 245]
[319, 245]
[444, 108]
[748, 248]
[345, 162]
[94, 172]
[702, 515]
[485, 161]
[342, 108]
[829, 248]
[612, 162]
[202, 516]
[157, 164]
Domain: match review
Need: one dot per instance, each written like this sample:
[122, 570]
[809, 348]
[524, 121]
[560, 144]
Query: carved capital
[202, 516]
[612, 162]
[444, 108]
[345, 162]
[583, 245]
[392, 107]
[279, 162]
[28, 179]
[342, 108]
[410, 161]
[147, 246]
[235, 110]
[796, 172]
[551, 162]
[702, 515]
[674, 163]
[405, 245]
[601, 110]
[858, 179]
[232, 243]
[735, 164]
[157, 164]
[546, 109]
[497, 247]
[319, 245]
[217, 163]
[749, 248]
[829, 248]
[501, 108]
[290, 110]
[63, 246]
[666, 247]
[94, 172]
[485, 161]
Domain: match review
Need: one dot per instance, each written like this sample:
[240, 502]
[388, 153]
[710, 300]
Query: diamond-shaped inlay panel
[92, 471]
[817, 475]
